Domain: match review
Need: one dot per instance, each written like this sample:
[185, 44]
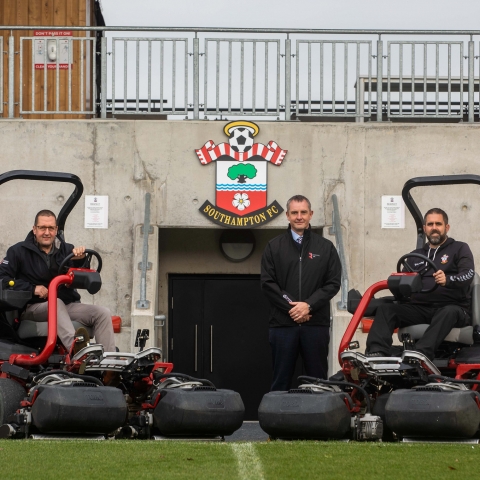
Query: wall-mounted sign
[393, 211]
[48, 49]
[96, 211]
[241, 177]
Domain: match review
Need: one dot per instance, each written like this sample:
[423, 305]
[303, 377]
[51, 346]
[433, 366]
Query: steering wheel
[422, 271]
[86, 264]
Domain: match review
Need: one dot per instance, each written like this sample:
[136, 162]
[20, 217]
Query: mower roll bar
[431, 182]
[358, 315]
[33, 359]
[50, 177]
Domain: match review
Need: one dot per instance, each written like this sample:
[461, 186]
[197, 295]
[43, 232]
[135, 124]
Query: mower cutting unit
[47, 391]
[400, 397]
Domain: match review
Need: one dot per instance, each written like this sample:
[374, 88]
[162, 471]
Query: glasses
[44, 229]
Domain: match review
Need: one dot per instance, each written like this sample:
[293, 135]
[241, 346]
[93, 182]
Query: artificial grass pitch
[57, 460]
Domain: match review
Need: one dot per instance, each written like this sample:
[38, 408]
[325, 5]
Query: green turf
[137, 460]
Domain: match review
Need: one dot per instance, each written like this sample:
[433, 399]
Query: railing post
[379, 78]
[196, 77]
[11, 76]
[143, 303]
[103, 75]
[471, 82]
[336, 229]
[288, 78]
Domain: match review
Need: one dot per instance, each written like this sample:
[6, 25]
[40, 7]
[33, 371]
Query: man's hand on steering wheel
[78, 253]
[440, 278]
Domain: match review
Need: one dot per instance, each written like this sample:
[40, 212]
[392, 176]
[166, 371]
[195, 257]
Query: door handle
[211, 348]
[196, 347]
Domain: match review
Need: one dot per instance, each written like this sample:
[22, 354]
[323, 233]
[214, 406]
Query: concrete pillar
[144, 317]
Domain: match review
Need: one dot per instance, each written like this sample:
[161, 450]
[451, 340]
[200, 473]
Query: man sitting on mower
[444, 307]
[33, 263]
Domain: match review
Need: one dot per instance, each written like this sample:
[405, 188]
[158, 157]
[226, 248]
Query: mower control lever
[141, 338]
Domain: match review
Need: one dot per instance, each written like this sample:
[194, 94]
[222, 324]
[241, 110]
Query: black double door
[219, 331]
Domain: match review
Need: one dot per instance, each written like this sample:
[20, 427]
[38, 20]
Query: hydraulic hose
[346, 384]
[68, 374]
[186, 377]
[453, 380]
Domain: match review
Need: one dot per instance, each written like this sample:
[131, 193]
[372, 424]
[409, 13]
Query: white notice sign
[96, 211]
[393, 211]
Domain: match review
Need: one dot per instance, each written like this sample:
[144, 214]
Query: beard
[437, 239]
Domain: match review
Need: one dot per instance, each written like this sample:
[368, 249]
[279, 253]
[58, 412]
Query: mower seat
[457, 335]
[31, 329]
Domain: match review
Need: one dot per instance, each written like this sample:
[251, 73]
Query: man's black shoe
[338, 377]
[376, 354]
[411, 365]
[82, 339]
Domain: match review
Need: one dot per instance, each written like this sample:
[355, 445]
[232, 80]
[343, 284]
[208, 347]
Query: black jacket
[312, 276]
[24, 264]
[456, 260]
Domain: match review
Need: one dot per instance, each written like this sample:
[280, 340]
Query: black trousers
[287, 342]
[392, 316]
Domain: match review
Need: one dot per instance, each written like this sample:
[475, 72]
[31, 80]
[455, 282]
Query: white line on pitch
[249, 464]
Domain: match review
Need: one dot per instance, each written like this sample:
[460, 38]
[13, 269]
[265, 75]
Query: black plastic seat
[457, 335]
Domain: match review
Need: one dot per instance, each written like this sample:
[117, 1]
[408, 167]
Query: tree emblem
[242, 171]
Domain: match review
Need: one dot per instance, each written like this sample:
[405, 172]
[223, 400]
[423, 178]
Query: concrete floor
[248, 432]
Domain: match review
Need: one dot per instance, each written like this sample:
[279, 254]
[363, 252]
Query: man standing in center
[301, 273]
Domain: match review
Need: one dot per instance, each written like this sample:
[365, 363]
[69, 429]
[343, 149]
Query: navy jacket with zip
[312, 276]
[456, 260]
[24, 264]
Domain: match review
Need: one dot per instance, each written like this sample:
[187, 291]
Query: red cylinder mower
[404, 396]
[48, 391]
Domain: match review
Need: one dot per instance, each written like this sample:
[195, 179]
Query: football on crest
[241, 139]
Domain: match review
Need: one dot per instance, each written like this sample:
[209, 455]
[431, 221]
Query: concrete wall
[126, 159]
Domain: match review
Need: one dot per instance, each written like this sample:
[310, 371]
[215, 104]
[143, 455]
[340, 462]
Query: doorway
[219, 331]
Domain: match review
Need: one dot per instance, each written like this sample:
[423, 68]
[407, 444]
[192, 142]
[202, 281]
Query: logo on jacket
[5, 261]
[241, 177]
[311, 256]
[444, 259]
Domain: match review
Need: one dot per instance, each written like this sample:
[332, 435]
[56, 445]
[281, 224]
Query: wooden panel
[35, 18]
[9, 10]
[71, 19]
[47, 19]
[3, 59]
[21, 19]
[47, 12]
[60, 18]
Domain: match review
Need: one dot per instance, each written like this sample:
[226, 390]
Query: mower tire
[11, 394]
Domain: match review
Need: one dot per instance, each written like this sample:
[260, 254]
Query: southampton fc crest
[241, 177]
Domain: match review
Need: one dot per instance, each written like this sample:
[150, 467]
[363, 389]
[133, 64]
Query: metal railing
[241, 56]
[329, 55]
[55, 93]
[278, 73]
[336, 229]
[406, 72]
[155, 62]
